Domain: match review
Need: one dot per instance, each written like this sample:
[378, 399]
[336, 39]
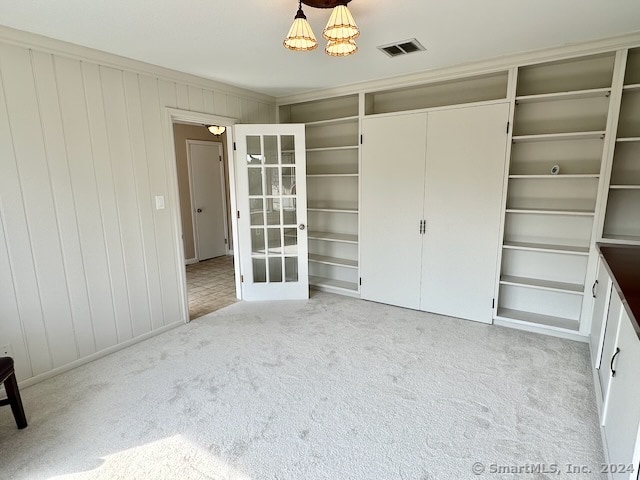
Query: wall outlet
[5, 351]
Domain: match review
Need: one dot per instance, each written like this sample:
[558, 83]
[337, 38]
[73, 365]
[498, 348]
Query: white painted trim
[488, 66]
[21, 38]
[190, 261]
[175, 115]
[439, 108]
[95, 356]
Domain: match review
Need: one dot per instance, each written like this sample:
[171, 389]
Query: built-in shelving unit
[473, 89]
[332, 138]
[559, 129]
[622, 218]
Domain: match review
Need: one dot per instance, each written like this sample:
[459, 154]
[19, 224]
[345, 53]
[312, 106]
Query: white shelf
[340, 262]
[545, 137]
[333, 208]
[562, 287]
[332, 149]
[580, 213]
[632, 87]
[333, 237]
[569, 95]
[331, 175]
[624, 187]
[538, 319]
[628, 139]
[332, 121]
[566, 176]
[330, 283]
[541, 247]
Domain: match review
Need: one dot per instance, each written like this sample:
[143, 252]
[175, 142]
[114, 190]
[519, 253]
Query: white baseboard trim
[190, 261]
[94, 356]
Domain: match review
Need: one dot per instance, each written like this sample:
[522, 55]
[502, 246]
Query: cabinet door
[466, 159]
[622, 417]
[609, 345]
[602, 293]
[392, 189]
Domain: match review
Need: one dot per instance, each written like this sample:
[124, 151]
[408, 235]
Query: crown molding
[34, 41]
[487, 66]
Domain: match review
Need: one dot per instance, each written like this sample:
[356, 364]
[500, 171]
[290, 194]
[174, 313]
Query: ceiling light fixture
[300, 37]
[216, 130]
[340, 32]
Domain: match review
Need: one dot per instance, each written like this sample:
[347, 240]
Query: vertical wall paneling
[145, 203]
[124, 175]
[87, 262]
[209, 104]
[153, 136]
[66, 160]
[12, 326]
[220, 103]
[31, 221]
[182, 92]
[110, 285]
[233, 108]
[196, 99]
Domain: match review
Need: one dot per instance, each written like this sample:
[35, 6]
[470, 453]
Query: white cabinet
[622, 410]
[615, 353]
[431, 196]
[601, 292]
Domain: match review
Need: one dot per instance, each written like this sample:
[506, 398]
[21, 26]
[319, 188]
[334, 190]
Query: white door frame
[175, 115]
[223, 191]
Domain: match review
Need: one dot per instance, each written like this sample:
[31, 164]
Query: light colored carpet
[333, 388]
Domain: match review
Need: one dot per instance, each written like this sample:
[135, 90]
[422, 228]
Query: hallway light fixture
[216, 130]
[340, 32]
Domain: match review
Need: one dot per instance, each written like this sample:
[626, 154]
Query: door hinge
[238, 213]
[225, 241]
[234, 146]
[241, 278]
[493, 304]
[360, 281]
[361, 139]
[508, 125]
[220, 157]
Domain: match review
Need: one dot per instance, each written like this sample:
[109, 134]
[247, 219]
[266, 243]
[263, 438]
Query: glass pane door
[270, 164]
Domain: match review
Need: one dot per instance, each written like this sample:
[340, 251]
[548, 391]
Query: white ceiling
[240, 41]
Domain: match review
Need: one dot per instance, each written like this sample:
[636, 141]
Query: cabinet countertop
[623, 264]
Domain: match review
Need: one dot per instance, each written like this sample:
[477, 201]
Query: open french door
[272, 211]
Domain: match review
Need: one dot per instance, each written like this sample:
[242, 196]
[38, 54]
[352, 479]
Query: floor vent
[405, 47]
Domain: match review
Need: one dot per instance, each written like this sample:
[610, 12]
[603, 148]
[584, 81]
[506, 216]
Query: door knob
[301, 226]
[199, 210]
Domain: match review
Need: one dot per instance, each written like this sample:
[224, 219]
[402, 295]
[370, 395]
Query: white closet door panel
[68, 145]
[127, 201]
[145, 201]
[392, 189]
[463, 195]
[115, 291]
[166, 245]
[38, 207]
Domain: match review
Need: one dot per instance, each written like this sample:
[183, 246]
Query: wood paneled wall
[86, 262]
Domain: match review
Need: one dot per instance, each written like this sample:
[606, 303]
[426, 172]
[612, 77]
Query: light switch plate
[159, 202]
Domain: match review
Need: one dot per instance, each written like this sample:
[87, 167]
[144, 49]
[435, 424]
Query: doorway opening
[202, 167]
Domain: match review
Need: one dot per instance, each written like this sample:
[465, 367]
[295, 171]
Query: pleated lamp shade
[341, 25]
[300, 37]
[341, 49]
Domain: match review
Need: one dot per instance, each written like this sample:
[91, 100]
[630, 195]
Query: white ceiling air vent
[405, 47]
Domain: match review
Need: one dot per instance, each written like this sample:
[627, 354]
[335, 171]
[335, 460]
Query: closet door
[392, 192]
[465, 171]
